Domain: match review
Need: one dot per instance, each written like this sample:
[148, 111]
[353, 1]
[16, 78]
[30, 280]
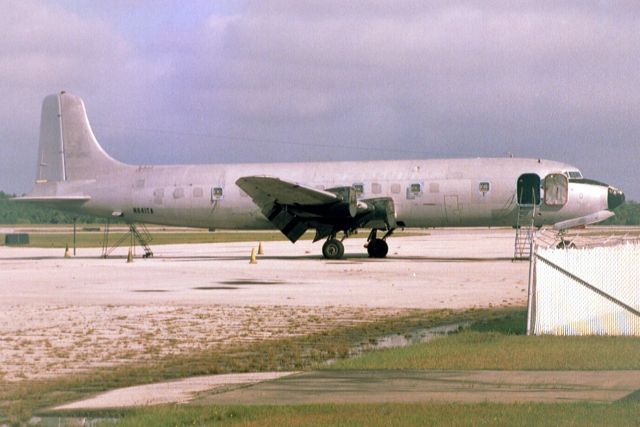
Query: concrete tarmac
[64, 315]
[445, 269]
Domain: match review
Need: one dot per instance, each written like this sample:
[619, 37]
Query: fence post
[531, 289]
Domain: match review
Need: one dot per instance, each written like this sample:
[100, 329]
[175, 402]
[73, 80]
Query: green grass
[48, 239]
[484, 414]
[94, 240]
[499, 345]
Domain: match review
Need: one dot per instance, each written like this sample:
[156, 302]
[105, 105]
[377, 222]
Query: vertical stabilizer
[51, 151]
[68, 149]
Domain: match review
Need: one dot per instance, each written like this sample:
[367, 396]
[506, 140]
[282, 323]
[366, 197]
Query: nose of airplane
[615, 198]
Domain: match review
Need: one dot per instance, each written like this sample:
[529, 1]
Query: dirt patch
[42, 341]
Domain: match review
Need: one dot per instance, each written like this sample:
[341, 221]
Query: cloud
[464, 58]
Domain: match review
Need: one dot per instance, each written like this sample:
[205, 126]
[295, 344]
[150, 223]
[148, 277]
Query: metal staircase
[525, 233]
[142, 236]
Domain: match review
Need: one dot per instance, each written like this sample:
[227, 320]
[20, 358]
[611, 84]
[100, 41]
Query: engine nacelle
[383, 211]
[348, 207]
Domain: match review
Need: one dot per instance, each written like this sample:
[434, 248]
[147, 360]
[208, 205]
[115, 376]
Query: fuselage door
[452, 209]
[529, 189]
[556, 189]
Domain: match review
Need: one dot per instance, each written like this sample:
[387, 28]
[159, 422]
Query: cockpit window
[574, 174]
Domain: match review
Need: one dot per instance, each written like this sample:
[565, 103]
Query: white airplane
[74, 173]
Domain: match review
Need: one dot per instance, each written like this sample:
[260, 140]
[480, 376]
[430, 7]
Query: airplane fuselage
[426, 193]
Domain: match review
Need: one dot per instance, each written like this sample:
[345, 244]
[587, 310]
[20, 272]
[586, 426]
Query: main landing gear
[376, 247]
[333, 248]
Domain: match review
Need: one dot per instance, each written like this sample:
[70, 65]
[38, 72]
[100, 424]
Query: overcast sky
[292, 80]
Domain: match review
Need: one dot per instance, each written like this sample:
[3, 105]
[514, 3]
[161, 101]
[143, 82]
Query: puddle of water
[415, 337]
[402, 340]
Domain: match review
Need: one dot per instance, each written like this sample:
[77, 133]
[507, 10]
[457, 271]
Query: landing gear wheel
[377, 248]
[333, 249]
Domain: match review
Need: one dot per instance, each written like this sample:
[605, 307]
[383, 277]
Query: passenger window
[484, 187]
[216, 193]
[434, 187]
[414, 190]
[197, 192]
[376, 188]
[395, 188]
[178, 193]
[359, 189]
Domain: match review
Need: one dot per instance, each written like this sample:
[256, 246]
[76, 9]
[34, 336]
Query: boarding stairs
[525, 232]
[136, 234]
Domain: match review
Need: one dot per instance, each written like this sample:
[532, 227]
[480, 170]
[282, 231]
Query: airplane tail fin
[68, 149]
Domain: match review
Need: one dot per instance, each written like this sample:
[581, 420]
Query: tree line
[20, 213]
[24, 213]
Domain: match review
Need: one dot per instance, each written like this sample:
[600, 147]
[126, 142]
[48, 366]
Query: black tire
[377, 248]
[333, 249]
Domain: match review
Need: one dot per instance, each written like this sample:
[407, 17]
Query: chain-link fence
[590, 291]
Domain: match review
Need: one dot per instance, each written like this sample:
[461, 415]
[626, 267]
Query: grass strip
[95, 239]
[499, 344]
[418, 414]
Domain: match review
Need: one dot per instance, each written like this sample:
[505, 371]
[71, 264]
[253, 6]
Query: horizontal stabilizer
[583, 220]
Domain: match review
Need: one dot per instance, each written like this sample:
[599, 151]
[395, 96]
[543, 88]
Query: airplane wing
[283, 192]
[294, 208]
